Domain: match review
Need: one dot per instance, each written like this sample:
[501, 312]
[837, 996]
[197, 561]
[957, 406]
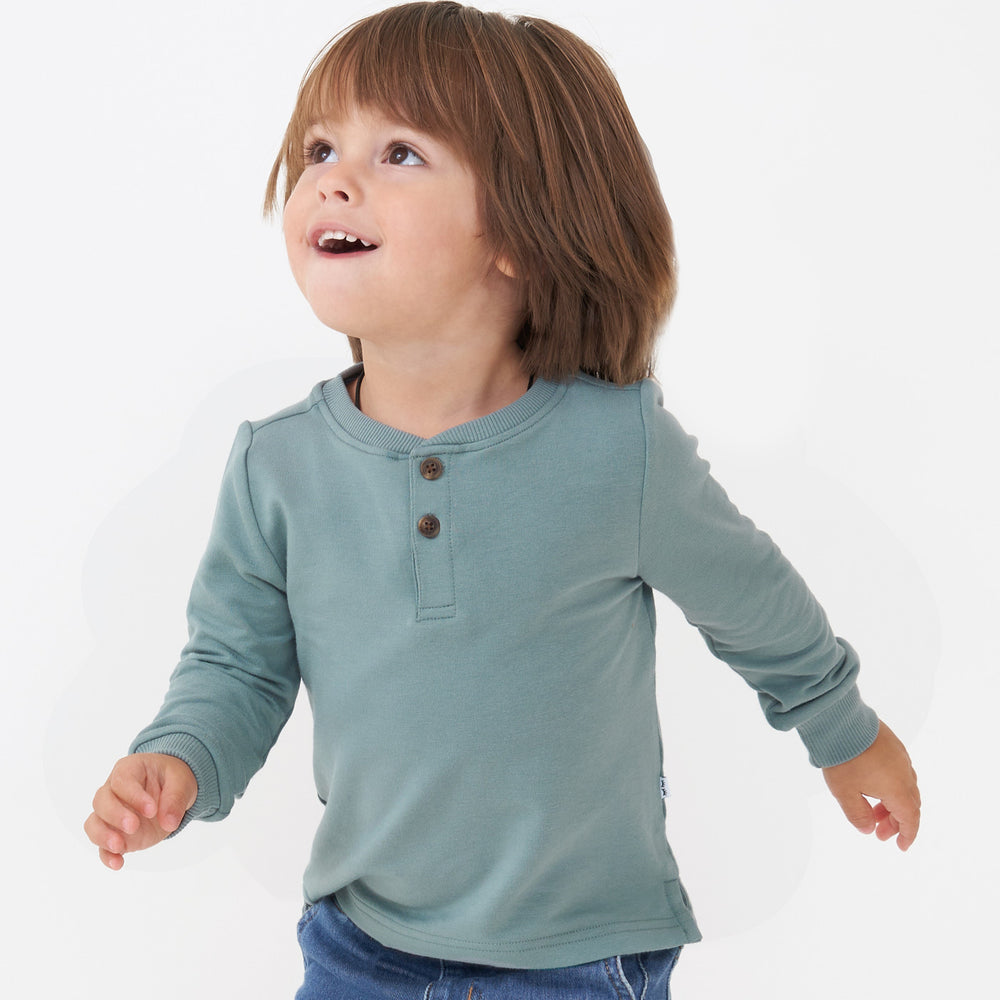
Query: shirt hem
[587, 944]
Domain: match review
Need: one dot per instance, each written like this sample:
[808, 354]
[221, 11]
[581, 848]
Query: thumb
[178, 791]
[858, 811]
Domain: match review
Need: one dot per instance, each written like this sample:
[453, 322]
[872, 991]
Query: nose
[337, 183]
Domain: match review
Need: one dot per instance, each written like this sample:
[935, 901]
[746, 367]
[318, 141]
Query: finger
[113, 861]
[859, 812]
[106, 838]
[899, 817]
[109, 808]
[887, 828]
[170, 818]
[129, 783]
[177, 797]
[907, 819]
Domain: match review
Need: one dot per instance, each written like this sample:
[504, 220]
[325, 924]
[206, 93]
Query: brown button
[432, 468]
[429, 526]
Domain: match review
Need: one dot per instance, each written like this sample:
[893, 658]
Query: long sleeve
[237, 679]
[752, 608]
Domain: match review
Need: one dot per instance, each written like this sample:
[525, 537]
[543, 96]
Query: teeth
[332, 235]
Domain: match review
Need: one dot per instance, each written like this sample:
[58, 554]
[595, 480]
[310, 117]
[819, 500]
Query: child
[454, 544]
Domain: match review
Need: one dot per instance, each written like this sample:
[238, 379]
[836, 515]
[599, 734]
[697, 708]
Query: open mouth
[336, 241]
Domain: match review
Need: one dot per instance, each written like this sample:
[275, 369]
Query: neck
[426, 393]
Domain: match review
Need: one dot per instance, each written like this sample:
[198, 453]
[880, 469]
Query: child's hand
[883, 772]
[143, 800]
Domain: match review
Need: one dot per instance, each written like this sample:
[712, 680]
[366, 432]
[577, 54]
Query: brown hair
[567, 191]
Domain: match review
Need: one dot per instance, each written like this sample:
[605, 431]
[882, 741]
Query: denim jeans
[344, 963]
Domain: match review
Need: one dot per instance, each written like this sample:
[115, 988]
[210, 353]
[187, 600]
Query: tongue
[344, 246]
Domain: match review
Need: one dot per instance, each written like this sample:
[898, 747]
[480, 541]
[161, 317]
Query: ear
[506, 267]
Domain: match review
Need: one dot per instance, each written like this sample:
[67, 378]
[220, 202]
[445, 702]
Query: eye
[319, 152]
[401, 155]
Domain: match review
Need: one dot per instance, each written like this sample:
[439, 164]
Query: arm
[752, 608]
[756, 613]
[231, 693]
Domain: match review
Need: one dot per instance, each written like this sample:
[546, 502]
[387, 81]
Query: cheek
[294, 220]
[295, 245]
[289, 224]
[454, 241]
[293, 216]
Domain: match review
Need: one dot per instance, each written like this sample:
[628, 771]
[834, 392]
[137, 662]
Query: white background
[831, 170]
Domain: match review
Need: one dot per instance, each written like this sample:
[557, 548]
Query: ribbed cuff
[841, 732]
[194, 753]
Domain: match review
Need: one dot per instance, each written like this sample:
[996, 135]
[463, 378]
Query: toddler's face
[383, 232]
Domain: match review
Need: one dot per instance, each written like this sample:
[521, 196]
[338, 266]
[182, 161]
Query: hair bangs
[414, 68]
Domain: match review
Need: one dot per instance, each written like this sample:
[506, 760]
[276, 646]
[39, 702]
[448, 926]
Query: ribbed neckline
[366, 431]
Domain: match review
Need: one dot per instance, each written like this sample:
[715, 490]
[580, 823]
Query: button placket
[430, 498]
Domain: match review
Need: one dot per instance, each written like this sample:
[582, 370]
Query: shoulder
[637, 432]
[644, 395]
[273, 449]
[594, 401]
[289, 419]
[597, 391]
[636, 409]
[281, 436]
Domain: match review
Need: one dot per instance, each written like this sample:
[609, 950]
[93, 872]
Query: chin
[336, 320]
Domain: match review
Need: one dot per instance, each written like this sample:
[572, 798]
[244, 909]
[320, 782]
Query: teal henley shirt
[472, 617]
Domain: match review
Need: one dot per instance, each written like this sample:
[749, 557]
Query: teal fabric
[487, 744]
